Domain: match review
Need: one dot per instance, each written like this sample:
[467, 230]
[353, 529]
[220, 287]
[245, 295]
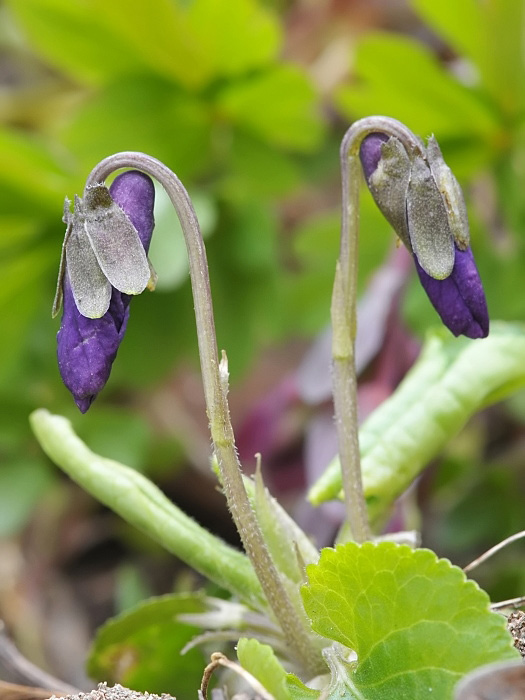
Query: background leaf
[141, 647]
[277, 106]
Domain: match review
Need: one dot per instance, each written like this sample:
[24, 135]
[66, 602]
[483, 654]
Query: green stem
[344, 315]
[215, 390]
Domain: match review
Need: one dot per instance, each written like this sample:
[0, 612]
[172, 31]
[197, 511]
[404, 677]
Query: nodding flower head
[422, 200]
[104, 262]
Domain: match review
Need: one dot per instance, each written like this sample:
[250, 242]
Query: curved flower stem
[294, 627]
[344, 314]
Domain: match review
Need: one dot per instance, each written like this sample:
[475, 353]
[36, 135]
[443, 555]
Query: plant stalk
[344, 315]
[294, 627]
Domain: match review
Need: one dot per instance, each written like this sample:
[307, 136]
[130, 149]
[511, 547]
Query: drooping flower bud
[105, 236]
[422, 200]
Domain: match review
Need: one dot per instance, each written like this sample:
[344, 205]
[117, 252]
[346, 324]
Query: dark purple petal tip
[87, 347]
[370, 152]
[459, 299]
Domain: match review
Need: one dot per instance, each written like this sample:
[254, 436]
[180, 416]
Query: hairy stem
[344, 315]
[289, 618]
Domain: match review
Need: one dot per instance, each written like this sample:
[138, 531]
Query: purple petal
[459, 299]
[134, 192]
[87, 347]
[370, 152]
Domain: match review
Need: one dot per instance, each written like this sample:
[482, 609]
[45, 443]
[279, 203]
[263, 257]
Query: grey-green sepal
[389, 186]
[115, 241]
[91, 289]
[428, 222]
[57, 301]
[102, 249]
[452, 195]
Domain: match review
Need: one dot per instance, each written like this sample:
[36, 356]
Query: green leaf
[142, 113]
[260, 660]
[31, 179]
[490, 35]
[316, 247]
[255, 171]
[22, 486]
[298, 690]
[142, 504]
[244, 37]
[278, 106]
[460, 23]
[23, 279]
[141, 648]
[75, 38]
[415, 622]
[159, 33]
[452, 379]
[402, 77]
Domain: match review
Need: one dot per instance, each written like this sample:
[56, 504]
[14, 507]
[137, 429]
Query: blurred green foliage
[253, 136]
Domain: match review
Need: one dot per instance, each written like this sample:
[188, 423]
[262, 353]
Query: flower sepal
[102, 249]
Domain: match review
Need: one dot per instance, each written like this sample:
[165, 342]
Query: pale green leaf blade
[415, 622]
[452, 379]
[278, 106]
[260, 660]
[142, 504]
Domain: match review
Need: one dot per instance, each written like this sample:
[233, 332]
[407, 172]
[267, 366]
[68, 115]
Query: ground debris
[516, 626]
[115, 692]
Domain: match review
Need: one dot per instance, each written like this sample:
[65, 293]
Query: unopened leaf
[452, 379]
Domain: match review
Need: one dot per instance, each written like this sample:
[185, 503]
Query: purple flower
[421, 199]
[459, 299]
[86, 347]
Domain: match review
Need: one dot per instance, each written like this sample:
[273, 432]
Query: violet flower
[422, 200]
[86, 347]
